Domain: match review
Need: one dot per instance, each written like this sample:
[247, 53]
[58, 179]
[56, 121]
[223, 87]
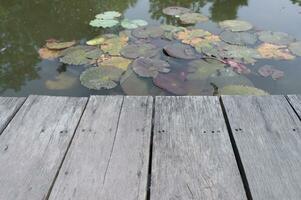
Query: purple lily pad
[148, 32]
[181, 51]
[146, 67]
[171, 82]
[134, 51]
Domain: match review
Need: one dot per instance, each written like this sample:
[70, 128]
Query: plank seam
[113, 144]
[290, 103]
[150, 161]
[236, 153]
[66, 152]
[13, 115]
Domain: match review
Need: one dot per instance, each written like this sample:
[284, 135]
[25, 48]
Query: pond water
[26, 25]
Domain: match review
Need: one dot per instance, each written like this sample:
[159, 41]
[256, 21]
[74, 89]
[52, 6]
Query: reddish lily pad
[171, 82]
[134, 51]
[175, 11]
[181, 51]
[268, 70]
[147, 67]
[55, 45]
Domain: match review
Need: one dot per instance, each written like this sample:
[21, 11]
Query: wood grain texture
[34, 143]
[192, 153]
[267, 133]
[8, 108]
[109, 157]
[295, 101]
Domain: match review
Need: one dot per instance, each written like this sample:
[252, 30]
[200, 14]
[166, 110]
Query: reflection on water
[25, 25]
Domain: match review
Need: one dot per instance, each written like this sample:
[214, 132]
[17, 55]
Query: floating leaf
[227, 76]
[147, 67]
[237, 67]
[277, 38]
[181, 51]
[212, 49]
[268, 70]
[206, 41]
[105, 23]
[114, 45]
[132, 24]
[193, 36]
[108, 15]
[119, 62]
[238, 38]
[171, 82]
[235, 25]
[170, 30]
[175, 11]
[192, 18]
[79, 55]
[242, 54]
[148, 31]
[96, 41]
[241, 90]
[54, 45]
[134, 51]
[295, 48]
[48, 54]
[201, 69]
[61, 82]
[131, 84]
[97, 78]
[278, 52]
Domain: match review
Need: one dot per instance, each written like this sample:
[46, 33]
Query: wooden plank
[192, 153]
[8, 108]
[295, 101]
[109, 156]
[267, 133]
[34, 143]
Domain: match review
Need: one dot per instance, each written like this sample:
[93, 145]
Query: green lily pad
[116, 61]
[132, 24]
[104, 23]
[235, 25]
[134, 51]
[295, 48]
[54, 45]
[108, 15]
[79, 55]
[148, 32]
[213, 49]
[243, 54]
[277, 38]
[201, 69]
[146, 67]
[170, 31]
[192, 36]
[96, 41]
[192, 18]
[175, 11]
[181, 51]
[97, 78]
[238, 38]
[241, 90]
[114, 44]
[226, 76]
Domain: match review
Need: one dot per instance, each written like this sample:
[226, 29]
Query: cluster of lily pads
[141, 53]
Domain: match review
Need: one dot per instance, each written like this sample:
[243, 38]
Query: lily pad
[79, 55]
[237, 67]
[226, 76]
[132, 24]
[201, 69]
[181, 51]
[212, 49]
[48, 54]
[104, 23]
[114, 45]
[278, 52]
[134, 51]
[131, 84]
[61, 82]
[108, 15]
[192, 37]
[295, 48]
[148, 32]
[242, 54]
[170, 30]
[97, 78]
[116, 61]
[238, 38]
[268, 70]
[54, 45]
[241, 90]
[175, 11]
[146, 67]
[171, 82]
[277, 38]
[192, 18]
[236, 25]
[96, 41]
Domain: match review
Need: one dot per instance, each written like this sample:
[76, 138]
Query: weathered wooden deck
[167, 148]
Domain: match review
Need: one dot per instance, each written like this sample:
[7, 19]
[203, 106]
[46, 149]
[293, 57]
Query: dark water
[25, 25]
